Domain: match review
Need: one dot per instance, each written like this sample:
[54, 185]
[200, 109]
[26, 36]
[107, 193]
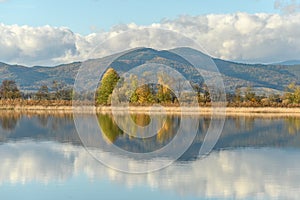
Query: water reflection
[241, 173]
[38, 126]
[167, 129]
[259, 132]
[141, 119]
[293, 125]
[9, 120]
[255, 157]
[109, 128]
[238, 131]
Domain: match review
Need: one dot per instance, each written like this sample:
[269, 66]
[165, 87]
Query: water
[42, 157]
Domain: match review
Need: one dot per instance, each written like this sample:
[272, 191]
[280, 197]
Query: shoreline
[228, 111]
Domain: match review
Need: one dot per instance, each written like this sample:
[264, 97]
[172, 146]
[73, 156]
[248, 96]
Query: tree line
[129, 91]
[247, 97]
[160, 93]
[148, 94]
[57, 91]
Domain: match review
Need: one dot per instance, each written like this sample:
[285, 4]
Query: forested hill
[264, 77]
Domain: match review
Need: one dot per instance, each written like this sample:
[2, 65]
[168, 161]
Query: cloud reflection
[261, 173]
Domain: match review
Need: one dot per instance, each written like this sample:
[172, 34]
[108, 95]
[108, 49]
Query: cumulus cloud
[287, 6]
[35, 45]
[242, 36]
[239, 36]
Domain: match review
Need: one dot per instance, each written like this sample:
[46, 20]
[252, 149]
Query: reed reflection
[239, 131]
[38, 126]
[9, 120]
[293, 125]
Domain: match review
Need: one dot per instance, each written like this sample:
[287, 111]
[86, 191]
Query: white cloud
[240, 36]
[30, 45]
[287, 6]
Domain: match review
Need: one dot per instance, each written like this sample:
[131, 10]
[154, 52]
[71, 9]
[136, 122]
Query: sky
[87, 16]
[51, 32]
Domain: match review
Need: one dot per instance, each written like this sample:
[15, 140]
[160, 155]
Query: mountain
[274, 77]
[257, 75]
[289, 62]
[31, 78]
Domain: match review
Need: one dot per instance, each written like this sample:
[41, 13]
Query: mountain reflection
[40, 126]
[240, 173]
[254, 157]
[237, 132]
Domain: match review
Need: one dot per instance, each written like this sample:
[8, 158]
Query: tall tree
[61, 91]
[108, 83]
[293, 93]
[238, 95]
[43, 93]
[144, 94]
[56, 88]
[164, 94]
[9, 90]
[250, 94]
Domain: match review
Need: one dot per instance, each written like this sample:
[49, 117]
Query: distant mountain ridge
[267, 77]
[288, 62]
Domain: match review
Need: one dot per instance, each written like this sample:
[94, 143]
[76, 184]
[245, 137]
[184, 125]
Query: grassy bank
[230, 111]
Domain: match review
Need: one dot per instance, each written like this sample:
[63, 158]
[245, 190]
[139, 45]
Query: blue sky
[86, 16]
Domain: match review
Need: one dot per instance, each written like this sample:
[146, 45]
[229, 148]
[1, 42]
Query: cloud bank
[240, 36]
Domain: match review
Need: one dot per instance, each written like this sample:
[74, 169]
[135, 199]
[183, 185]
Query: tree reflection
[141, 119]
[43, 120]
[237, 123]
[109, 128]
[249, 123]
[9, 120]
[38, 125]
[292, 125]
[167, 129]
[60, 120]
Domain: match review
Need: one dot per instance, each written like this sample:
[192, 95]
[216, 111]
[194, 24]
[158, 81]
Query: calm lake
[42, 157]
